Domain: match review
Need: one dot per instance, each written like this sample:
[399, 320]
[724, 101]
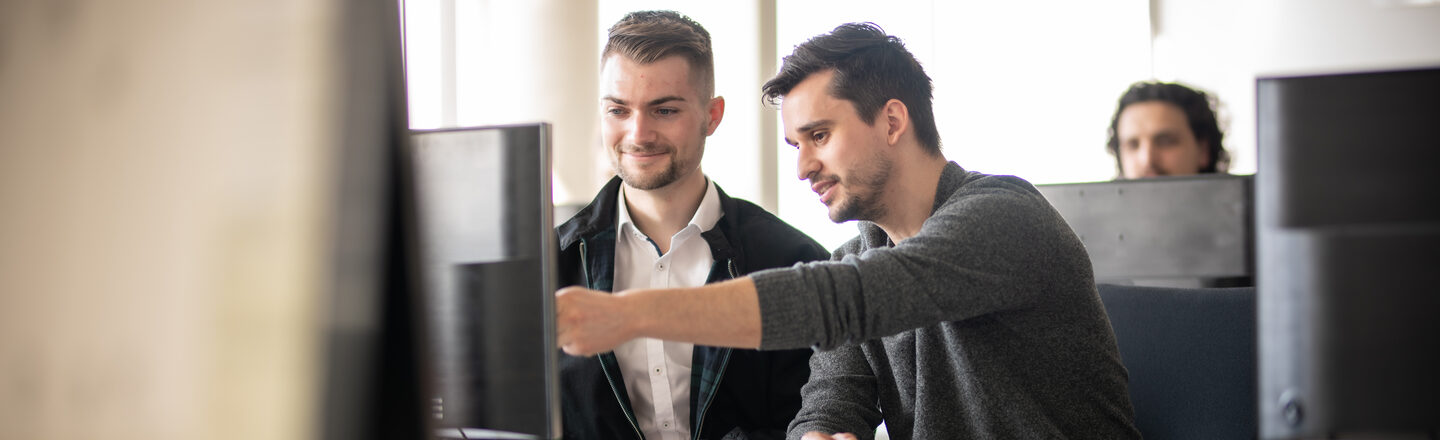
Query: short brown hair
[649, 36]
[871, 68]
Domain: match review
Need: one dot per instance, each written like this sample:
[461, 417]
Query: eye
[819, 137]
[615, 111]
[666, 111]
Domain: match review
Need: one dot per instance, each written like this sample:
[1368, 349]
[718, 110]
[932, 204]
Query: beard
[648, 180]
[863, 192]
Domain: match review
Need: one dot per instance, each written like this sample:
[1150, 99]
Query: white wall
[511, 62]
[1224, 45]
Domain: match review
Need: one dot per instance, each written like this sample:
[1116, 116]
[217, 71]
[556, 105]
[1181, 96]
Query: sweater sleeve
[984, 250]
[840, 396]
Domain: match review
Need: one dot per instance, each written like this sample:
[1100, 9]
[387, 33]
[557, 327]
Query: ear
[717, 112]
[897, 120]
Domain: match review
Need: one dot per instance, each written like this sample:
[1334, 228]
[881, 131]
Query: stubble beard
[648, 181]
[864, 189]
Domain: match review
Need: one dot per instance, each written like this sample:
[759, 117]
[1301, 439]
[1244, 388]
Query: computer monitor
[369, 369]
[1183, 231]
[1348, 227]
[487, 271]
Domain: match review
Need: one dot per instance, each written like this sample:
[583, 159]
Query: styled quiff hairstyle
[649, 36]
[871, 68]
[1199, 112]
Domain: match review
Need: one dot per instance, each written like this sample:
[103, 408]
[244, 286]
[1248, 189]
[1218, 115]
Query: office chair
[1191, 357]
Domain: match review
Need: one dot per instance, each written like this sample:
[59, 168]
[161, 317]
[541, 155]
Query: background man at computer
[965, 309]
[1165, 129]
[662, 223]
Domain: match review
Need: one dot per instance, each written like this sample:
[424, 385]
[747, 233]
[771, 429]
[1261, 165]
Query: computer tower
[1348, 256]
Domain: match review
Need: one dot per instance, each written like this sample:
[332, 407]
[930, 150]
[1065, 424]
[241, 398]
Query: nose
[1151, 159]
[1144, 161]
[642, 130]
[806, 164]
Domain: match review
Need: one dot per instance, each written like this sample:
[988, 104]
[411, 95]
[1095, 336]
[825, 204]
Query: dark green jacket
[734, 392]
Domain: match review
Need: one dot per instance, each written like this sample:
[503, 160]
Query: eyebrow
[1166, 132]
[812, 126]
[653, 102]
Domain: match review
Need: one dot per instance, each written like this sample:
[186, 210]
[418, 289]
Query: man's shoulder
[761, 231]
[854, 245]
[750, 218]
[583, 222]
[990, 190]
[976, 182]
[595, 216]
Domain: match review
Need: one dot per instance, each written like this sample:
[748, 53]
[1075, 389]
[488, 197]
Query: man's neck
[662, 212]
[910, 194]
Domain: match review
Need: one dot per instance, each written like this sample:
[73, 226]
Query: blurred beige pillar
[164, 175]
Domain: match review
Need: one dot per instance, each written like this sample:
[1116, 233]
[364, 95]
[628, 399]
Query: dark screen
[487, 263]
[1348, 229]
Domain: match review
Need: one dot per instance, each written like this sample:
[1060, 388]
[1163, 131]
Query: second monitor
[1192, 231]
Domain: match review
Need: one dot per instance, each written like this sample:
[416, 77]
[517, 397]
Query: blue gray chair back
[1191, 358]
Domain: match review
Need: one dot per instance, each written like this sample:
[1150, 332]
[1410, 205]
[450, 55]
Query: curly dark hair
[1199, 112]
[649, 36]
[871, 68]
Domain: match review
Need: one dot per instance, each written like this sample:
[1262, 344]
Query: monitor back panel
[488, 278]
[1183, 231]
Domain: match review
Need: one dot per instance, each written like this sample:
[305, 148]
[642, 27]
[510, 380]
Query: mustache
[643, 148]
[814, 178]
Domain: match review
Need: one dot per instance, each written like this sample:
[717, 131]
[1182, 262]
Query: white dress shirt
[657, 373]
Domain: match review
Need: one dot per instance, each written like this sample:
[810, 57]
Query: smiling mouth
[645, 157]
[824, 189]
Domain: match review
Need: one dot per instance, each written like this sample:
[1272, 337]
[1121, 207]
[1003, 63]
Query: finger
[576, 350]
[568, 290]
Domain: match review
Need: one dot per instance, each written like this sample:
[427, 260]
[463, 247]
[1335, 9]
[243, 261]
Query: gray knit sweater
[986, 324]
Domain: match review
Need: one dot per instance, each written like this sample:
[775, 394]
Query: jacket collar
[600, 216]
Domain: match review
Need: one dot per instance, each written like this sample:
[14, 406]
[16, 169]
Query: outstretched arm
[840, 397]
[725, 314]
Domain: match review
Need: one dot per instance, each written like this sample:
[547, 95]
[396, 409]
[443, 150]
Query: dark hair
[1198, 110]
[649, 36]
[871, 68]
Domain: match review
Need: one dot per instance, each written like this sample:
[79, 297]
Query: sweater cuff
[787, 315]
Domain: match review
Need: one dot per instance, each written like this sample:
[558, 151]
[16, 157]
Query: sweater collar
[952, 177]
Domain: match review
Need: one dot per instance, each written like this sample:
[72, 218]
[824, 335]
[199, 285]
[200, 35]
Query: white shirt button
[660, 266]
[656, 371]
[665, 424]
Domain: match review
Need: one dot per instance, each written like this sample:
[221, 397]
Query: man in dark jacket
[662, 223]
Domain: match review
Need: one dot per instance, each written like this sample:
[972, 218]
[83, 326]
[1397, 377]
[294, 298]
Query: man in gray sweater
[966, 307]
